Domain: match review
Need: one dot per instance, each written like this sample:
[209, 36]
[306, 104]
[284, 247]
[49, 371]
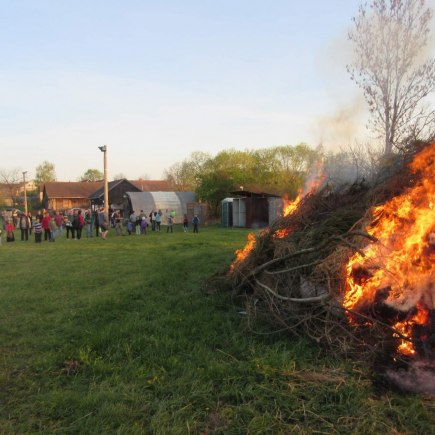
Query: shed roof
[251, 194]
[152, 185]
[71, 189]
[112, 184]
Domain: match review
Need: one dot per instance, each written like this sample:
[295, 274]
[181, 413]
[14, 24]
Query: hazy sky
[157, 80]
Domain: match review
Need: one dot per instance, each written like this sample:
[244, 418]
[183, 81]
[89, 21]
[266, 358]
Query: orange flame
[405, 328]
[289, 207]
[241, 254]
[402, 261]
[281, 233]
[315, 180]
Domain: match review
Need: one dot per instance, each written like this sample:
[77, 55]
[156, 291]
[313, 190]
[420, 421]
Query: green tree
[212, 188]
[389, 37]
[92, 175]
[184, 176]
[283, 169]
[278, 170]
[224, 173]
[45, 172]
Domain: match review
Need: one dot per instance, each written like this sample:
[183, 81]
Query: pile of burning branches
[352, 268]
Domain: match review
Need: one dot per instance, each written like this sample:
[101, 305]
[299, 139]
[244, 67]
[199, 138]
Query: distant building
[152, 185]
[60, 195]
[13, 194]
[180, 202]
[117, 190]
[248, 209]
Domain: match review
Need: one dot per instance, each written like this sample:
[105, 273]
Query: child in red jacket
[10, 237]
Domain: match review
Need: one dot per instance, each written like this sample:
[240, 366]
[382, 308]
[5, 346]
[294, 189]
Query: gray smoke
[419, 378]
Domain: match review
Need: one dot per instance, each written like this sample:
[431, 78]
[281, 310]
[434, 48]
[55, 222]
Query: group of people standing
[52, 224]
[138, 223]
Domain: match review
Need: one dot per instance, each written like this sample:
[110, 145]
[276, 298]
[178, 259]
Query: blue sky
[157, 80]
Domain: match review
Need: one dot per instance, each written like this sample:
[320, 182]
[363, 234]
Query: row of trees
[280, 170]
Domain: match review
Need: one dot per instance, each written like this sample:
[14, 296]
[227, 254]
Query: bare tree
[389, 37]
[11, 181]
[119, 176]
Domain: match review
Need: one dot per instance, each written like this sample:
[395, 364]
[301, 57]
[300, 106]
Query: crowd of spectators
[49, 225]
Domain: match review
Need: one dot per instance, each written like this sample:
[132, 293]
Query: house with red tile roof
[62, 195]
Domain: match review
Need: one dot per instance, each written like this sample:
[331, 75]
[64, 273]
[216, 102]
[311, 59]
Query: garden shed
[254, 209]
[154, 201]
[227, 212]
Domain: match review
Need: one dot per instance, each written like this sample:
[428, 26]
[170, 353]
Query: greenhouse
[154, 201]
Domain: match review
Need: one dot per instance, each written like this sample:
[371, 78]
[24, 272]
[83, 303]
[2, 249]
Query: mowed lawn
[119, 336]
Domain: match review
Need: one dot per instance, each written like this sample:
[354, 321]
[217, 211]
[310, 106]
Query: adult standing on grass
[29, 215]
[59, 223]
[185, 223]
[24, 223]
[152, 221]
[89, 224]
[103, 223]
[80, 223]
[169, 222]
[75, 223]
[118, 223]
[195, 223]
[46, 225]
[132, 222]
[137, 225]
[158, 218]
[53, 228]
[96, 219]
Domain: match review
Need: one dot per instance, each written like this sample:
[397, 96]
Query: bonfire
[351, 267]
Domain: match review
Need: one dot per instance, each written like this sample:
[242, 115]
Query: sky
[158, 80]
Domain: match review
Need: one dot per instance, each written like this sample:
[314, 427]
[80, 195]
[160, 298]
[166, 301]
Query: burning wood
[402, 260]
[358, 278]
[315, 180]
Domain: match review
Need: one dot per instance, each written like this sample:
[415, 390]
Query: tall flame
[241, 254]
[402, 261]
[314, 181]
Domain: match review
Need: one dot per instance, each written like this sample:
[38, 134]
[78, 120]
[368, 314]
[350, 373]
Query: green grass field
[118, 336]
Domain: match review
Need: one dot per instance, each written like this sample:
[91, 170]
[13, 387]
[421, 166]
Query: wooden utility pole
[25, 192]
